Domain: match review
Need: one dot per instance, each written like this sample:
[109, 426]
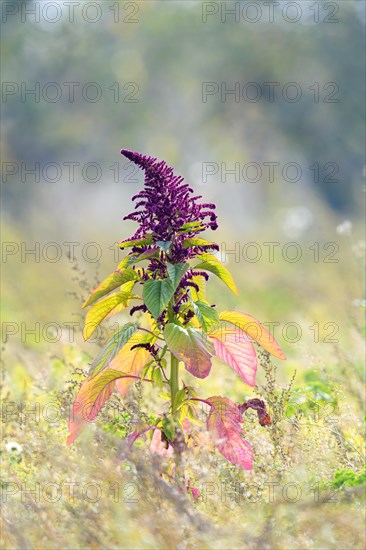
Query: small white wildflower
[359, 249]
[344, 228]
[359, 302]
[13, 447]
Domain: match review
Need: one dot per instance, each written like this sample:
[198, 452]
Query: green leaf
[183, 412]
[191, 226]
[156, 295]
[117, 278]
[196, 241]
[100, 310]
[192, 415]
[168, 426]
[206, 315]
[164, 245]
[180, 398]
[190, 346]
[112, 347]
[136, 242]
[176, 272]
[165, 395]
[158, 377]
[132, 259]
[211, 263]
[147, 368]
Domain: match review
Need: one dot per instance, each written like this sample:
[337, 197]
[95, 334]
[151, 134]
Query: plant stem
[174, 382]
[174, 387]
[150, 332]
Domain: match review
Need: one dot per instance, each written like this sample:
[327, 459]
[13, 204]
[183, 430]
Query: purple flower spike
[163, 209]
[166, 204]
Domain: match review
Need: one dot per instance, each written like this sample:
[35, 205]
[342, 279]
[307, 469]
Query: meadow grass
[307, 486]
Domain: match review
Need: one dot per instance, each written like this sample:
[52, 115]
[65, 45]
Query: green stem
[151, 332]
[174, 382]
[174, 387]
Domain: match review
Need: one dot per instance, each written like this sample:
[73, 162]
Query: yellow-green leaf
[112, 347]
[136, 242]
[191, 226]
[100, 310]
[168, 426]
[197, 241]
[158, 377]
[114, 280]
[127, 287]
[211, 263]
[132, 259]
[180, 398]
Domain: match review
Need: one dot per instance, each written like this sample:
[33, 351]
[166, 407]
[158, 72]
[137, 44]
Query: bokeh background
[119, 74]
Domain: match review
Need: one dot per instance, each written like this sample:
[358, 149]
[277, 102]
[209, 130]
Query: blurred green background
[109, 75]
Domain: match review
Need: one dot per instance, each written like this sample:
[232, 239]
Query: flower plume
[166, 204]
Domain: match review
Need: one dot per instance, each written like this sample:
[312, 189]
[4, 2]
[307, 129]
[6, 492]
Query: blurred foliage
[306, 489]
[169, 53]
[349, 478]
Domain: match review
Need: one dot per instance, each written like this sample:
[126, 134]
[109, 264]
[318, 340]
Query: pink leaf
[92, 395]
[254, 329]
[160, 447]
[224, 425]
[233, 346]
[195, 492]
[90, 399]
[191, 490]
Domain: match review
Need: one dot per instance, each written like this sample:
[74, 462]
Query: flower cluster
[165, 204]
[167, 210]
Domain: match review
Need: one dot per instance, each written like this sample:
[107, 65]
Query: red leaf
[224, 425]
[233, 346]
[265, 420]
[259, 406]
